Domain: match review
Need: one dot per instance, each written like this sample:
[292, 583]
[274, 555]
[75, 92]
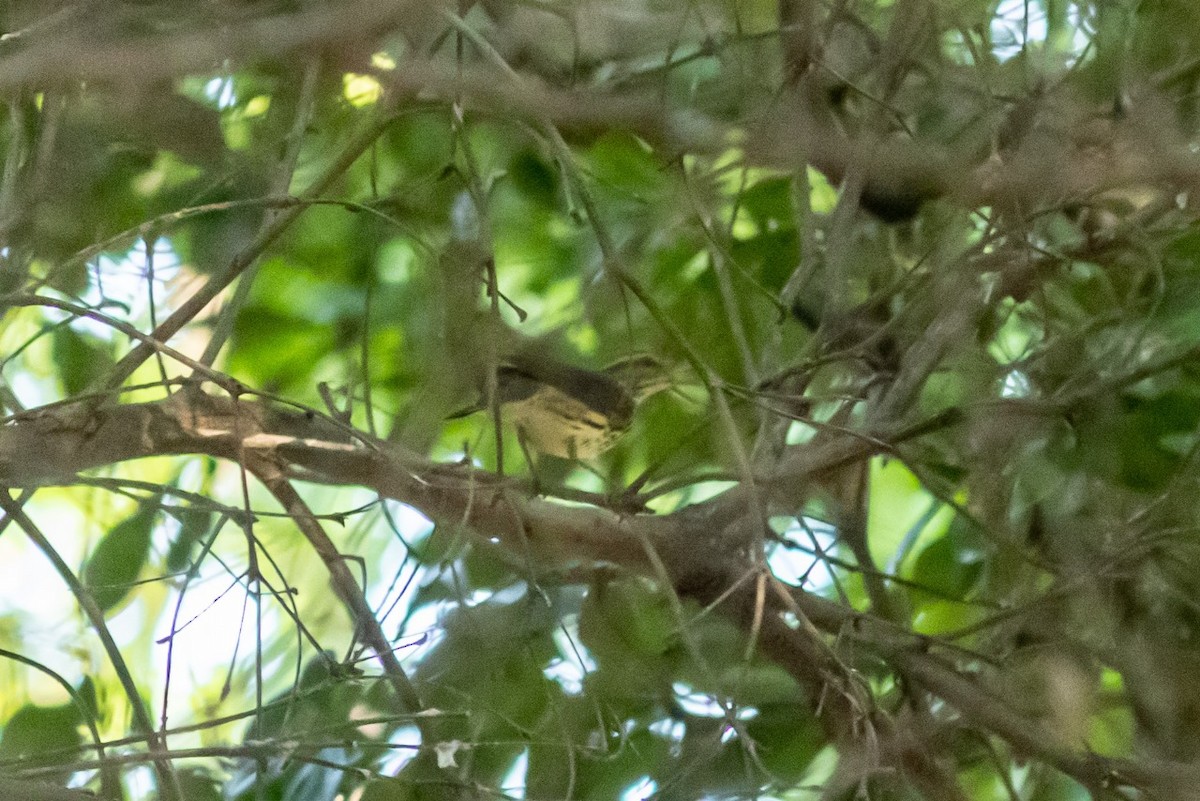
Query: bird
[572, 412]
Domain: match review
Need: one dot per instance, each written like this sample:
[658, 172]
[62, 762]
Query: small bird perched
[573, 413]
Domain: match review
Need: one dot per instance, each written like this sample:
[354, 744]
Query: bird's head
[642, 374]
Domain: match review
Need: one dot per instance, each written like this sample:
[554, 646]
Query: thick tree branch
[50, 446]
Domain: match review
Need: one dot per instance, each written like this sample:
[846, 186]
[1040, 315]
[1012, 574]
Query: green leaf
[1054, 786]
[761, 683]
[623, 161]
[194, 524]
[899, 505]
[534, 178]
[38, 730]
[788, 739]
[119, 558]
[80, 359]
[198, 785]
[951, 564]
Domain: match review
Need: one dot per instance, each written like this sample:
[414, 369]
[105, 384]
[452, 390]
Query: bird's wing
[515, 384]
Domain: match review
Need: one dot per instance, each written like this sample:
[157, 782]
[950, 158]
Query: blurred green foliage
[1031, 262]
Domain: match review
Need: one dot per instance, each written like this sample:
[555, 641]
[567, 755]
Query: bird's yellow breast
[554, 423]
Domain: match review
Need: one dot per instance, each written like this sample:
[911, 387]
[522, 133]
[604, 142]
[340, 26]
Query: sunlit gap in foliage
[406, 745]
[1018, 24]
[211, 611]
[799, 558]
[671, 730]
[1016, 385]
[574, 662]
[220, 91]
[139, 783]
[640, 790]
[703, 705]
[119, 282]
[513, 783]
[30, 576]
[214, 621]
